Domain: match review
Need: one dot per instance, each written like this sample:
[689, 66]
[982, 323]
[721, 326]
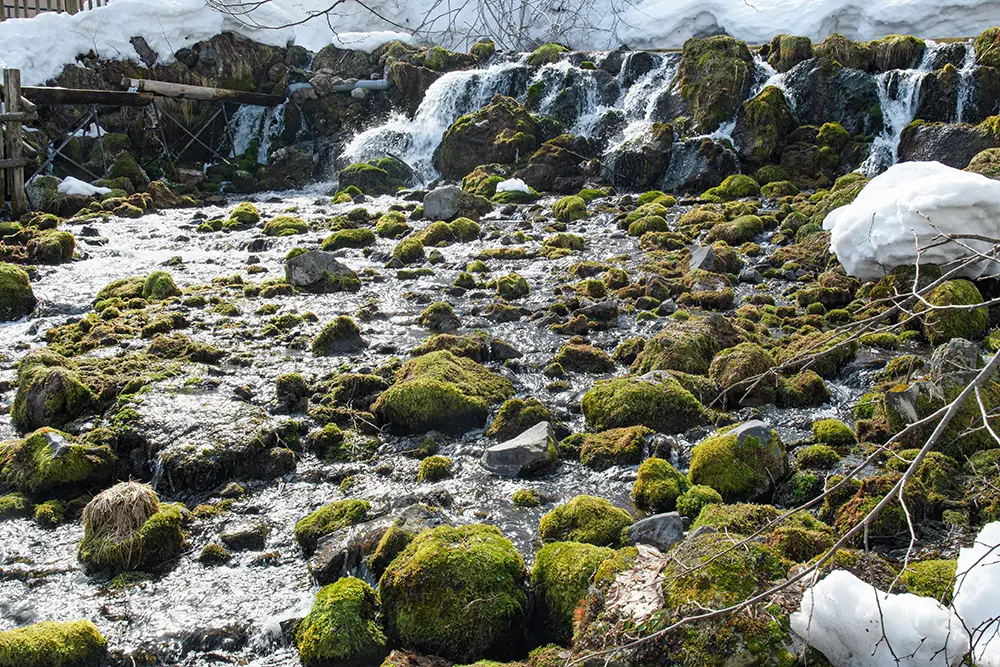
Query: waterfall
[768, 76]
[640, 101]
[447, 99]
[256, 124]
[965, 83]
[898, 92]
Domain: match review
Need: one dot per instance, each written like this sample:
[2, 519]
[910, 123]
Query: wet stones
[317, 269]
[452, 202]
[530, 453]
[660, 530]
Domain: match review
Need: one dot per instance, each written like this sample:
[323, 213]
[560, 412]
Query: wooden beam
[203, 93]
[49, 95]
[20, 115]
[14, 138]
[14, 162]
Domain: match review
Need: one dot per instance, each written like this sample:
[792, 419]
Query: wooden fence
[25, 9]
[14, 111]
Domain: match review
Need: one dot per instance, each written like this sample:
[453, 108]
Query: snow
[513, 185]
[41, 46]
[910, 204]
[74, 186]
[843, 618]
[976, 588]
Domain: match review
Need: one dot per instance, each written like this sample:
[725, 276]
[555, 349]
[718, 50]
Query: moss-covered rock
[502, 132]
[585, 519]
[738, 372]
[245, 215]
[439, 316]
[442, 391]
[818, 457]
[16, 296]
[328, 519]
[715, 76]
[940, 326]
[569, 209]
[435, 468]
[616, 446]
[741, 230]
[349, 238]
[342, 627]
[764, 125]
[693, 501]
[582, 358]
[740, 463]
[655, 400]
[687, 346]
[737, 186]
[49, 393]
[516, 416]
[512, 286]
[560, 578]
[930, 578]
[840, 49]
[392, 225]
[457, 592]
[159, 285]
[126, 166]
[285, 225]
[381, 177]
[48, 459]
[786, 51]
[834, 433]
[53, 644]
[342, 335]
[546, 54]
[658, 485]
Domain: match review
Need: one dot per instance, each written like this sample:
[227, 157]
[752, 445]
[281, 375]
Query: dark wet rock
[314, 267]
[287, 169]
[529, 453]
[640, 163]
[825, 93]
[410, 83]
[555, 166]
[501, 132]
[949, 54]
[451, 201]
[660, 530]
[953, 144]
[763, 125]
[602, 311]
[715, 76]
[699, 164]
[637, 64]
[345, 63]
[246, 538]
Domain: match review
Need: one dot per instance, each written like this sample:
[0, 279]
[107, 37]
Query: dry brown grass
[117, 513]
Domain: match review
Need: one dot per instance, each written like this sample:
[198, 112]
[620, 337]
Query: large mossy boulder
[328, 519]
[439, 390]
[951, 320]
[715, 76]
[49, 393]
[560, 578]
[688, 346]
[658, 485]
[378, 177]
[739, 371]
[53, 644]
[48, 459]
[763, 126]
[501, 132]
[741, 462]
[126, 527]
[846, 52]
[786, 51]
[655, 400]
[897, 52]
[457, 592]
[16, 296]
[287, 169]
[585, 519]
[342, 628]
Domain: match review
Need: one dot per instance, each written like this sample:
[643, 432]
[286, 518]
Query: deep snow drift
[908, 206]
[169, 25]
[855, 625]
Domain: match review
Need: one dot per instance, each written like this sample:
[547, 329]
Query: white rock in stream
[532, 451]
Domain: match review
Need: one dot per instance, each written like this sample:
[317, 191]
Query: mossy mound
[245, 214]
[285, 225]
[833, 432]
[740, 465]
[738, 371]
[342, 335]
[49, 393]
[931, 578]
[560, 578]
[940, 326]
[457, 592]
[380, 177]
[655, 400]
[342, 628]
[441, 391]
[586, 519]
[658, 485]
[502, 132]
[159, 285]
[569, 209]
[693, 501]
[737, 186]
[516, 416]
[687, 346]
[48, 459]
[616, 446]
[328, 519]
[349, 238]
[392, 225]
[582, 358]
[435, 468]
[715, 76]
[546, 54]
[53, 644]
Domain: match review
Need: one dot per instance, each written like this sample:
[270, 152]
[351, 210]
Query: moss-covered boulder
[942, 325]
[688, 346]
[53, 644]
[439, 390]
[741, 463]
[342, 628]
[52, 246]
[834, 433]
[739, 373]
[516, 416]
[327, 519]
[560, 578]
[655, 400]
[341, 336]
[126, 527]
[48, 459]
[658, 485]
[126, 166]
[569, 209]
[931, 578]
[847, 52]
[159, 285]
[16, 296]
[379, 177]
[737, 186]
[285, 225]
[49, 393]
[786, 51]
[348, 238]
[501, 132]
[763, 126]
[586, 519]
[715, 76]
[457, 592]
[897, 52]
[546, 54]
[693, 501]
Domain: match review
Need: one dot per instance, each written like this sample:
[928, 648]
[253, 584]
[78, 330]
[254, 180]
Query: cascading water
[965, 82]
[898, 93]
[257, 124]
[640, 101]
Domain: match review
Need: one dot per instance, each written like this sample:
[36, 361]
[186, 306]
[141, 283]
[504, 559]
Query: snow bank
[74, 186]
[877, 231]
[843, 618]
[976, 594]
[513, 185]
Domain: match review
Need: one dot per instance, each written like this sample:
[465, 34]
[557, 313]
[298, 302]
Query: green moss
[159, 539]
[560, 578]
[126, 166]
[439, 316]
[53, 644]
[833, 432]
[455, 592]
[569, 209]
[245, 214]
[342, 627]
[29, 465]
[49, 395]
[328, 519]
[736, 371]
[617, 446]
[14, 504]
[733, 187]
[392, 225]
[409, 251]
[817, 456]
[585, 519]
[940, 326]
[371, 179]
[987, 46]
[652, 223]
[691, 502]
[516, 416]
[512, 286]
[584, 358]
[715, 76]
[658, 402]
[285, 225]
[931, 578]
[435, 468]
[546, 54]
[737, 470]
[50, 513]
[743, 229]
[688, 346]
[214, 554]
[658, 485]
[521, 498]
[338, 336]
[440, 390]
[348, 238]
[482, 50]
[159, 285]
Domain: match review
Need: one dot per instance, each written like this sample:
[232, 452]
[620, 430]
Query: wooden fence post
[14, 139]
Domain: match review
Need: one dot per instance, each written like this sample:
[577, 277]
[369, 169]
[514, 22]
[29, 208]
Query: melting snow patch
[513, 185]
[976, 589]
[908, 206]
[74, 186]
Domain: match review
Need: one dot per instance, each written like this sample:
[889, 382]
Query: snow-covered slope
[908, 206]
[42, 45]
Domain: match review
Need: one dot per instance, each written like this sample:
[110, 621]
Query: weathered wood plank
[45, 95]
[204, 93]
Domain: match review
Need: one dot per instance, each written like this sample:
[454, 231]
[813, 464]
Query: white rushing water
[261, 124]
[965, 82]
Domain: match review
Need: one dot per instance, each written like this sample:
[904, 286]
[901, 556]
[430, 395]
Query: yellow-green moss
[342, 627]
[328, 519]
[585, 519]
[658, 485]
[53, 644]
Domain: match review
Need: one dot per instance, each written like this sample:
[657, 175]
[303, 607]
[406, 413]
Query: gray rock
[246, 538]
[955, 364]
[750, 276]
[699, 164]
[753, 428]
[660, 530]
[452, 202]
[501, 350]
[529, 453]
[311, 267]
[904, 403]
[56, 442]
[702, 258]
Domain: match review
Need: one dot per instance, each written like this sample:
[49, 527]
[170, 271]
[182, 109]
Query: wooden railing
[14, 110]
[25, 9]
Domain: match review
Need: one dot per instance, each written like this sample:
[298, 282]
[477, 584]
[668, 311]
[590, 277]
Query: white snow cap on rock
[513, 185]
[908, 205]
[74, 186]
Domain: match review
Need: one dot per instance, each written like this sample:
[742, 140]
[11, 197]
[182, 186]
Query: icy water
[232, 614]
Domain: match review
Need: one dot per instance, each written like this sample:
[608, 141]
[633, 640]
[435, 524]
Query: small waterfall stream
[257, 124]
[965, 83]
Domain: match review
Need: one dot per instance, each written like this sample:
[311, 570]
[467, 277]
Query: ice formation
[74, 186]
[907, 206]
